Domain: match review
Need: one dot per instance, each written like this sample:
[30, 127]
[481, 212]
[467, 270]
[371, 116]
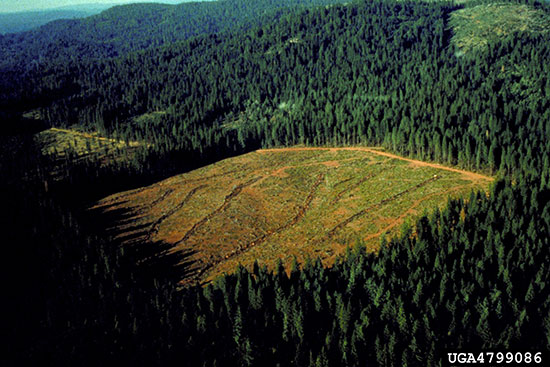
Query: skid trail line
[341, 225]
[156, 225]
[243, 248]
[227, 200]
[161, 198]
[353, 187]
[409, 210]
[119, 196]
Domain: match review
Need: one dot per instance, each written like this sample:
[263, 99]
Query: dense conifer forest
[472, 275]
[123, 29]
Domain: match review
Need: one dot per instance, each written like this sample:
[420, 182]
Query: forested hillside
[376, 73]
[126, 28]
[472, 275]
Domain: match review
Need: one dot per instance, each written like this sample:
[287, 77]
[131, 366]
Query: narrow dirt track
[476, 177]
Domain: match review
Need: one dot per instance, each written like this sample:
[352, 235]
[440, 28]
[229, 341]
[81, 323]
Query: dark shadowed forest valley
[278, 183]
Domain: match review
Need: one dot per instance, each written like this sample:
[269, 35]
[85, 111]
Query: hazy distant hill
[27, 20]
[13, 22]
[24, 21]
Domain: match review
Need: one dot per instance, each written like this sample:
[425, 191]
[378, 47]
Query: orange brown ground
[284, 204]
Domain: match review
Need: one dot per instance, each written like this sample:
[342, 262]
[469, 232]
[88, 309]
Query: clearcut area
[283, 204]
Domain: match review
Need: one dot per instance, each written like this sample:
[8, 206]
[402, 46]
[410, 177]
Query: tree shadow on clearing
[145, 259]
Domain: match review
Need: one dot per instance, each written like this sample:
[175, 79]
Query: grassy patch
[67, 145]
[61, 141]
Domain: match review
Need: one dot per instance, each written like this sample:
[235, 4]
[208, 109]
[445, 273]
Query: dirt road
[472, 176]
